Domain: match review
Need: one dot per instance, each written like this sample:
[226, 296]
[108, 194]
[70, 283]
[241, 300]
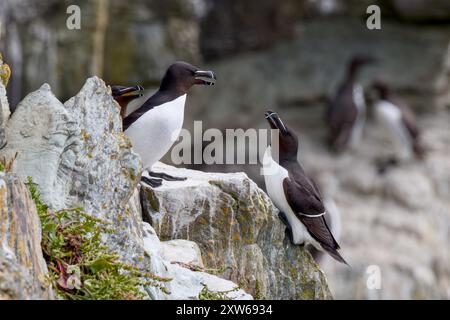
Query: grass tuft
[81, 266]
[207, 294]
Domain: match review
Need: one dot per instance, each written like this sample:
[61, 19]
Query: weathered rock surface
[234, 26]
[186, 283]
[238, 231]
[184, 251]
[4, 105]
[155, 33]
[78, 156]
[302, 73]
[423, 10]
[4, 114]
[22, 267]
[75, 152]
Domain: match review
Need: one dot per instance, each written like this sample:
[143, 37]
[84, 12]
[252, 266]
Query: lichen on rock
[78, 157]
[4, 105]
[23, 271]
[238, 230]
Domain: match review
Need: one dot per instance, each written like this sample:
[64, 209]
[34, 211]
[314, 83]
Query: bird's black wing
[131, 118]
[409, 121]
[302, 196]
[341, 115]
[157, 99]
[306, 203]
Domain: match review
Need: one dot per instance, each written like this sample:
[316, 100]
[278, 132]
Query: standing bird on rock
[399, 120]
[156, 125]
[124, 95]
[295, 194]
[346, 112]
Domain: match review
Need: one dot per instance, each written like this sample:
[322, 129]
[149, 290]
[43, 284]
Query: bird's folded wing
[303, 197]
[410, 122]
[306, 203]
[318, 229]
[131, 118]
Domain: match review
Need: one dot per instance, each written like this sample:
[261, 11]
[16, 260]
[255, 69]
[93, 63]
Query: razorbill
[399, 121]
[156, 125]
[124, 95]
[294, 193]
[346, 112]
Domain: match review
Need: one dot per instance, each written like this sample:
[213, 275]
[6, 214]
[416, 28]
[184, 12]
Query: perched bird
[333, 220]
[124, 95]
[5, 72]
[294, 193]
[399, 120]
[333, 216]
[156, 125]
[345, 115]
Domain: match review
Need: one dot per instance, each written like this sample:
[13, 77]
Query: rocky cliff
[78, 157]
[238, 231]
[23, 270]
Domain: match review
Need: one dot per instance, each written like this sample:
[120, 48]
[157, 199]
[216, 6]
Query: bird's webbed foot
[288, 229]
[383, 165]
[152, 182]
[165, 176]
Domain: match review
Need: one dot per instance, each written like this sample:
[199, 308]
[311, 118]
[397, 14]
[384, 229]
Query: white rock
[183, 251]
[185, 283]
[238, 231]
[4, 113]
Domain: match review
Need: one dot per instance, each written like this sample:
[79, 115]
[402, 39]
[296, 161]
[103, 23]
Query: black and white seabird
[295, 194]
[399, 120]
[346, 112]
[124, 95]
[156, 125]
[333, 216]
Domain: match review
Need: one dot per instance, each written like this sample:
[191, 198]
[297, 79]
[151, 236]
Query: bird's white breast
[360, 102]
[274, 174]
[153, 134]
[390, 116]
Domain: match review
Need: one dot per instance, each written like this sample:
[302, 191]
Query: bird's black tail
[334, 253]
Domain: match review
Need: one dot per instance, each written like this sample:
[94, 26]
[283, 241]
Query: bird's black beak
[131, 92]
[205, 77]
[275, 121]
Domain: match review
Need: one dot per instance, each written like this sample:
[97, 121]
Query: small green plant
[7, 165]
[80, 265]
[207, 294]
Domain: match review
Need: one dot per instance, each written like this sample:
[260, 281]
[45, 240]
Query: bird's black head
[125, 92]
[358, 61]
[181, 76]
[287, 139]
[381, 88]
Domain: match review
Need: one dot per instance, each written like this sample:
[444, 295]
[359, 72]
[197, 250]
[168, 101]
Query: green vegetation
[80, 265]
[258, 291]
[207, 294]
[6, 165]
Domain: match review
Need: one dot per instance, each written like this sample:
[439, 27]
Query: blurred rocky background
[288, 56]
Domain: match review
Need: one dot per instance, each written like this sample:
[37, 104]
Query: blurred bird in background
[399, 121]
[346, 112]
